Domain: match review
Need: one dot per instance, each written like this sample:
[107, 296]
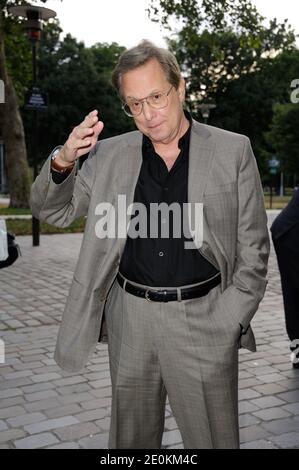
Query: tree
[76, 79]
[229, 57]
[219, 41]
[14, 71]
[248, 103]
[283, 136]
[11, 122]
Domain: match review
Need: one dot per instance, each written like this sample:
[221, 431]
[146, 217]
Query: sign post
[273, 166]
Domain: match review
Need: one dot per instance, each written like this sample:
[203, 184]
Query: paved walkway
[43, 407]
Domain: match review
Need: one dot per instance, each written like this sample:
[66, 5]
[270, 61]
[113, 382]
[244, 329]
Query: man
[285, 235]
[175, 316]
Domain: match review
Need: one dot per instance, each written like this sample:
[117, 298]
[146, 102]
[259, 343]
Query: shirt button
[161, 253]
[166, 188]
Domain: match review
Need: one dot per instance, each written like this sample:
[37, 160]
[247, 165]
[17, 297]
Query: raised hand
[81, 140]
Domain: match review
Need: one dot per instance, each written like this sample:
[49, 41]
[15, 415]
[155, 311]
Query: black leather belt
[168, 295]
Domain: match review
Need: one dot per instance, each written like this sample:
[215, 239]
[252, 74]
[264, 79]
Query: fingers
[83, 132]
[90, 126]
[76, 144]
[84, 137]
[90, 120]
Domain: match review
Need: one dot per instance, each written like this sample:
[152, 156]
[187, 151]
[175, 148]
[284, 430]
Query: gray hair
[140, 55]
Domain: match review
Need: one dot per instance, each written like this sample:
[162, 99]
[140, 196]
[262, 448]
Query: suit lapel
[200, 160]
[130, 166]
[201, 155]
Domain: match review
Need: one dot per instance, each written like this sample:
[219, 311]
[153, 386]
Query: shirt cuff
[58, 178]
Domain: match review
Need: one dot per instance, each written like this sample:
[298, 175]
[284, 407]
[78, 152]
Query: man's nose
[147, 111]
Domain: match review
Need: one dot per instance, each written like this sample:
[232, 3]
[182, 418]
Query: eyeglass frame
[166, 94]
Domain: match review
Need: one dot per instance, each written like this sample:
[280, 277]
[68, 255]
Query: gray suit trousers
[187, 350]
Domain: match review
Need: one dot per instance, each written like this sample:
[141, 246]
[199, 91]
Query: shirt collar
[185, 138]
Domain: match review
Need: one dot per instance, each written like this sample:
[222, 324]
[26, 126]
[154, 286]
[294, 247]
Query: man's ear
[182, 89]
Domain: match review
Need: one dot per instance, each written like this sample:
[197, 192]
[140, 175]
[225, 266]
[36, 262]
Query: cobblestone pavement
[43, 407]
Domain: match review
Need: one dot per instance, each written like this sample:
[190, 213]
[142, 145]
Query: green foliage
[17, 48]
[284, 136]
[229, 57]
[247, 105]
[219, 41]
[24, 227]
[18, 56]
[76, 80]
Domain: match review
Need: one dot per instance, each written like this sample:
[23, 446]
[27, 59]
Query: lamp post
[205, 109]
[34, 17]
[273, 165]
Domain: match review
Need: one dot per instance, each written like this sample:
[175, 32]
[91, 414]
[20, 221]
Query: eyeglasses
[156, 101]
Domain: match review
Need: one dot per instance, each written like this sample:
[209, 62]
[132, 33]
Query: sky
[126, 21]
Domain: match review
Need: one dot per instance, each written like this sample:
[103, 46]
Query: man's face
[160, 125]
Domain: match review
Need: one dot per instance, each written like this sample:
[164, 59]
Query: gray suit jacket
[223, 176]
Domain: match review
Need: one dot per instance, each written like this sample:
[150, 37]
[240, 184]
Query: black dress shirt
[163, 261]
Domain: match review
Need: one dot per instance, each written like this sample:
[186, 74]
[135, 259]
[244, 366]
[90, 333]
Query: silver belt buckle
[146, 296]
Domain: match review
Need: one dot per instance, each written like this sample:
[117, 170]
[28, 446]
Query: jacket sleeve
[249, 282]
[60, 204]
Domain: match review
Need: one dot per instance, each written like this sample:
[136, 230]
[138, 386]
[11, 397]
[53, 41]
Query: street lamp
[34, 17]
[205, 110]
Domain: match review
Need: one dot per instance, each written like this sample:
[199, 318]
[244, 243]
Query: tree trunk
[18, 174]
